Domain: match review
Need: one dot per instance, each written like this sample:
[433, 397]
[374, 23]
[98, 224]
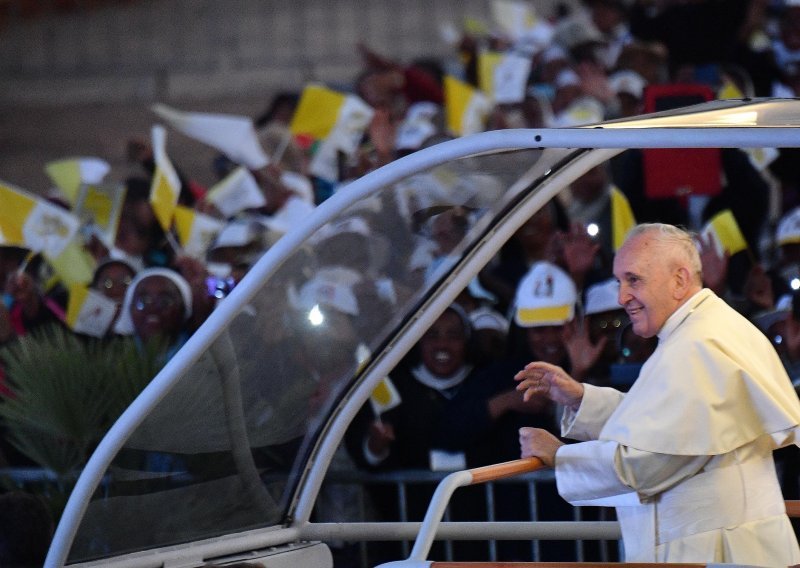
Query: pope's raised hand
[539, 378]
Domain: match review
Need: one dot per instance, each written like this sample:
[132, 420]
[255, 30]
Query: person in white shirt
[686, 454]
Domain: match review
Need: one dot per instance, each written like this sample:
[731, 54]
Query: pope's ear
[683, 282]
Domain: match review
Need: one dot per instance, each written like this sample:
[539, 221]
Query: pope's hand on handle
[539, 378]
[538, 443]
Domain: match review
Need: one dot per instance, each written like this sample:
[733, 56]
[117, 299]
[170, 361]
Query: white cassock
[686, 455]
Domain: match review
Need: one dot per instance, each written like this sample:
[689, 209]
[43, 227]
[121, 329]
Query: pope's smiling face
[647, 284]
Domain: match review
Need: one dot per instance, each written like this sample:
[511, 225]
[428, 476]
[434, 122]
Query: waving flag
[622, 219]
[466, 108]
[236, 192]
[726, 233]
[100, 206]
[335, 119]
[69, 174]
[384, 397]
[73, 265]
[196, 230]
[487, 63]
[233, 135]
[165, 187]
[33, 223]
[89, 311]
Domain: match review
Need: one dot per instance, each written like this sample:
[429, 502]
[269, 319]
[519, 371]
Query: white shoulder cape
[713, 384]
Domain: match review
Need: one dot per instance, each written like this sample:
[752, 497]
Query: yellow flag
[726, 232]
[165, 187]
[729, 90]
[70, 173]
[622, 219]
[196, 231]
[32, 222]
[384, 397]
[466, 108]
[74, 265]
[487, 63]
[15, 207]
[317, 112]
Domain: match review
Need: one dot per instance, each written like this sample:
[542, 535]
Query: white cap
[324, 290]
[567, 78]
[237, 233]
[352, 225]
[554, 53]
[545, 296]
[627, 81]
[789, 228]
[576, 31]
[602, 297]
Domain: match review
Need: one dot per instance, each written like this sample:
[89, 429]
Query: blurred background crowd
[147, 258]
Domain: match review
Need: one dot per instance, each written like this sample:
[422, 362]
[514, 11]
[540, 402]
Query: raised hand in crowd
[583, 353]
[758, 288]
[715, 265]
[577, 251]
[196, 274]
[380, 437]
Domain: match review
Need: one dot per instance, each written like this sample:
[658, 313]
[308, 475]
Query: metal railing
[358, 489]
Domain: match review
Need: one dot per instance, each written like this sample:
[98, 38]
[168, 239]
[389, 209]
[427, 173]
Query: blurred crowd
[548, 294]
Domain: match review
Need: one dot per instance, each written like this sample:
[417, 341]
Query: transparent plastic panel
[224, 450]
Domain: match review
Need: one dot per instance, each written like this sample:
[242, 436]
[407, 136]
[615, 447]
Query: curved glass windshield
[223, 451]
[226, 449]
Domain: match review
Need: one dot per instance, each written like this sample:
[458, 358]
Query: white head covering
[545, 296]
[326, 288]
[627, 81]
[124, 325]
[602, 297]
[789, 228]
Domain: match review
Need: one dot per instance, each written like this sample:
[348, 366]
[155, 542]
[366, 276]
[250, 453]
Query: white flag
[236, 192]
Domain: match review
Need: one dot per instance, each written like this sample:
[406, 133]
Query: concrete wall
[80, 81]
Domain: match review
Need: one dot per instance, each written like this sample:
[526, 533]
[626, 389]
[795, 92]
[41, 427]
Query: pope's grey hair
[678, 245]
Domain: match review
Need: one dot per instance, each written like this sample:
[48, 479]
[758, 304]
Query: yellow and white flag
[33, 223]
[236, 192]
[726, 233]
[323, 113]
[384, 397]
[233, 135]
[335, 119]
[99, 206]
[69, 174]
[487, 63]
[466, 108]
[73, 265]
[165, 188]
[89, 311]
[196, 230]
[622, 219]
[510, 78]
